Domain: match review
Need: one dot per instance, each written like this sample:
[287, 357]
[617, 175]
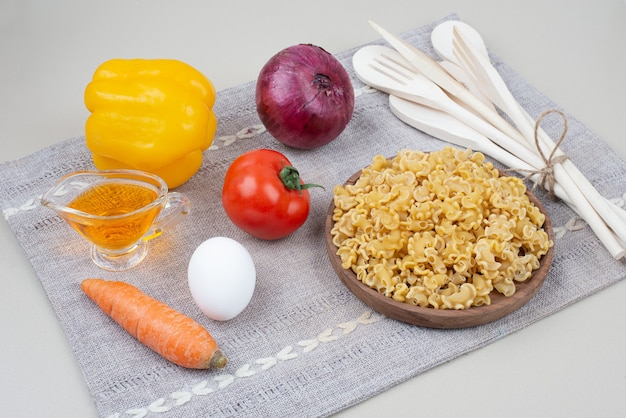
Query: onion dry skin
[304, 96]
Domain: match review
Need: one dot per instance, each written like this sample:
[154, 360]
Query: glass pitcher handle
[175, 210]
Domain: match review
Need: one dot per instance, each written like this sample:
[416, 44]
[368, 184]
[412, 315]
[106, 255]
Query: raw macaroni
[440, 229]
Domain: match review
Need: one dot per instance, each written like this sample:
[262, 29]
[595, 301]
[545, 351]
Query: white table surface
[570, 364]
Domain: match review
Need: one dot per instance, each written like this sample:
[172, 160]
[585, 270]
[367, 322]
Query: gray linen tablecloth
[305, 346]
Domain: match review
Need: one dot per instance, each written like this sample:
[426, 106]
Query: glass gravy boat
[117, 211]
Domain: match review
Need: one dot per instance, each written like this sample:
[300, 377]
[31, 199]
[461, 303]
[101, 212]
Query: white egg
[221, 277]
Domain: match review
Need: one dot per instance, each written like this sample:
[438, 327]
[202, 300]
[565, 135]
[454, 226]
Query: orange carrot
[168, 332]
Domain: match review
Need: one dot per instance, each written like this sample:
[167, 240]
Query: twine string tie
[546, 174]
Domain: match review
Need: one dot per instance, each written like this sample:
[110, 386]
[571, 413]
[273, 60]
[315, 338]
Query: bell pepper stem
[290, 177]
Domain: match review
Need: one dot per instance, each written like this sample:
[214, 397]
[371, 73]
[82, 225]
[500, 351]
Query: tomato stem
[290, 177]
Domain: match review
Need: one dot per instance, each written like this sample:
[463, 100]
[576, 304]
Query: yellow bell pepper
[150, 115]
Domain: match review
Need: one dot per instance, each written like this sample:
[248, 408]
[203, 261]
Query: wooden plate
[442, 318]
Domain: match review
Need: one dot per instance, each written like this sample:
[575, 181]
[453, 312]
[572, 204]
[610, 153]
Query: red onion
[304, 96]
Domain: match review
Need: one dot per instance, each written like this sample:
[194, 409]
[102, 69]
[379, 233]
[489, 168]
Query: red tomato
[264, 195]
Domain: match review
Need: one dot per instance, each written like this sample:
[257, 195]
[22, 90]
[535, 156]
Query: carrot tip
[218, 360]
